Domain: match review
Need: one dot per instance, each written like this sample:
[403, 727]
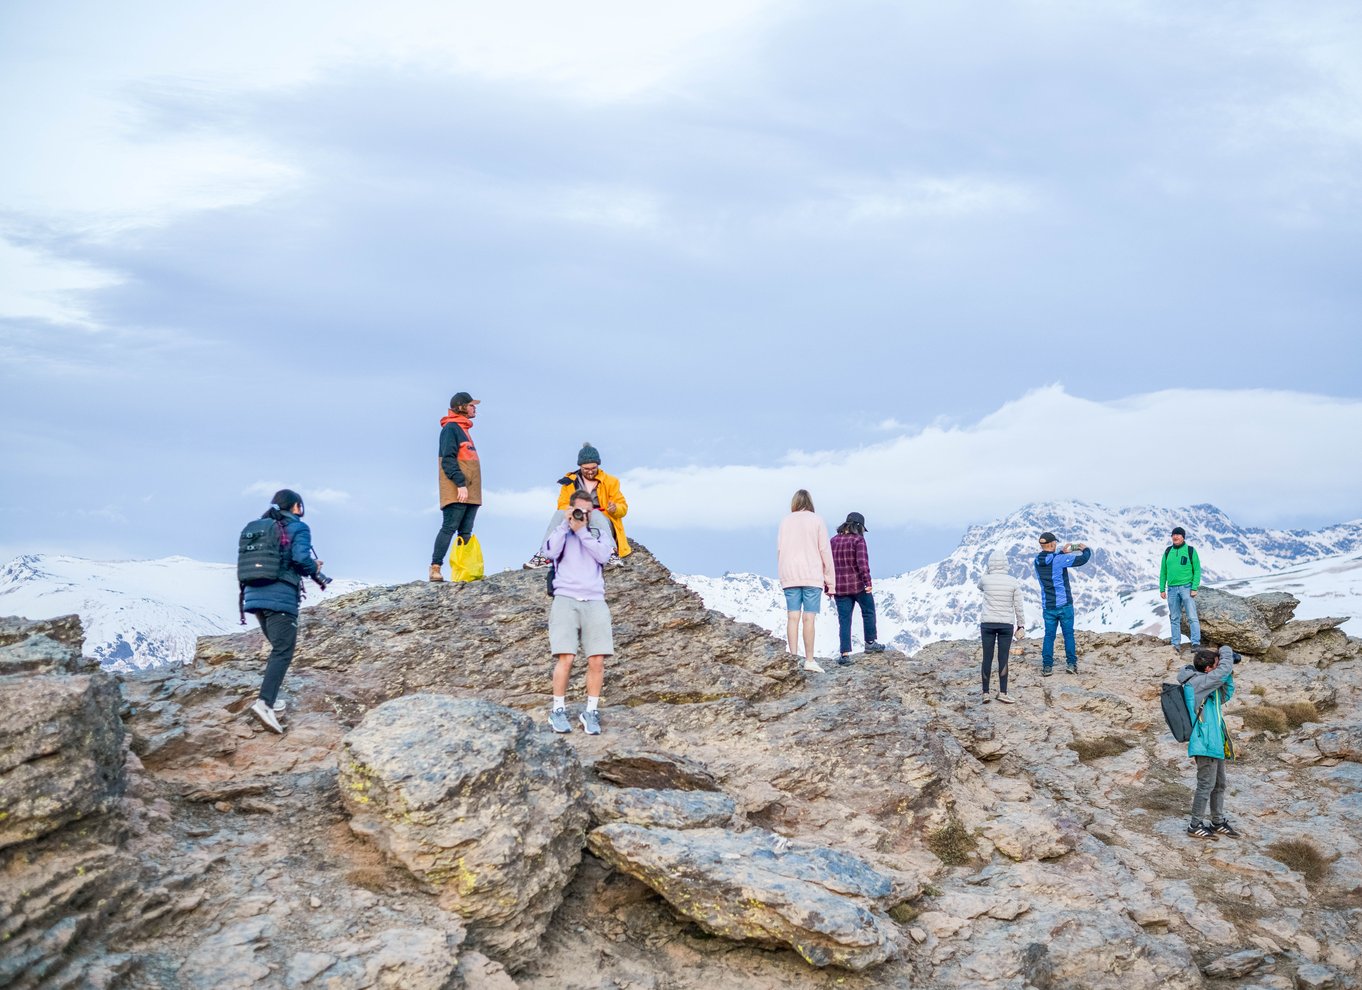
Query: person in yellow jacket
[608, 505]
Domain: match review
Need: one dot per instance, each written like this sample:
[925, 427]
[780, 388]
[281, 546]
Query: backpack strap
[241, 601]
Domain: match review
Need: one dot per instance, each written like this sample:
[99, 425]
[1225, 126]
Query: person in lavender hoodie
[579, 615]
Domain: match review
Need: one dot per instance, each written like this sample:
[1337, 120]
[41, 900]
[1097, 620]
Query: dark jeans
[281, 629]
[845, 603]
[999, 633]
[1063, 618]
[458, 519]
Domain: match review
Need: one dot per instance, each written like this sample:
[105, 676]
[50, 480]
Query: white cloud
[319, 496]
[918, 197]
[34, 284]
[1258, 454]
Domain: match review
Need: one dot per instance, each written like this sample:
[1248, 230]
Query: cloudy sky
[930, 261]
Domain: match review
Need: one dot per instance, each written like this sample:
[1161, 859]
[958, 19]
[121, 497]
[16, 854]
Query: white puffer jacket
[1002, 594]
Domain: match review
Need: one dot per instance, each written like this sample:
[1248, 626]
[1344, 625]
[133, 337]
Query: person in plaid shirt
[851, 562]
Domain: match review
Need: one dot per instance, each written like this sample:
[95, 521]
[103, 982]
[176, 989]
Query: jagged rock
[1276, 607]
[1237, 964]
[826, 904]
[1314, 976]
[663, 808]
[44, 646]
[653, 770]
[1019, 833]
[475, 803]
[1341, 743]
[1227, 618]
[1299, 629]
[61, 751]
[1322, 647]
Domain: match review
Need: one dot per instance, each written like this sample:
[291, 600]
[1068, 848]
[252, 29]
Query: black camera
[321, 579]
[579, 515]
[1237, 657]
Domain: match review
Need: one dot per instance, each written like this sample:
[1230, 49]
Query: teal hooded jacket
[1211, 690]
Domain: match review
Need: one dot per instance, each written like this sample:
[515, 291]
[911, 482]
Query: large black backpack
[263, 556]
[1175, 712]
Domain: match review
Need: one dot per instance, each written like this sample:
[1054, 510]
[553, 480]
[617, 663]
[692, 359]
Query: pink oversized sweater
[803, 553]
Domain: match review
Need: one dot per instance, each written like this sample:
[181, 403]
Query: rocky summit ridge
[739, 823]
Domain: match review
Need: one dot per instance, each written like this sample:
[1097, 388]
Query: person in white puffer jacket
[1001, 617]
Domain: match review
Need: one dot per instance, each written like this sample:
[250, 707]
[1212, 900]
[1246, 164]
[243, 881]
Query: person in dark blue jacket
[275, 604]
[1056, 598]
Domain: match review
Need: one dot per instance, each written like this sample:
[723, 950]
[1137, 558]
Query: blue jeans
[1063, 616]
[845, 603]
[1179, 600]
[809, 598]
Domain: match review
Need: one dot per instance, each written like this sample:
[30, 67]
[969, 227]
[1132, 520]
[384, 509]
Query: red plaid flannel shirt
[851, 562]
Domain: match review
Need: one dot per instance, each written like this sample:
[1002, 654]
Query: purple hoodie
[580, 558]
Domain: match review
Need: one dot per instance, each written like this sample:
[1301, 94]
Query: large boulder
[1276, 607]
[476, 803]
[828, 905]
[667, 808]
[61, 752]
[41, 646]
[1227, 618]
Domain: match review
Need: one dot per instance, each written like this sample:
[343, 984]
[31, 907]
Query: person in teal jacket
[1179, 579]
[1207, 683]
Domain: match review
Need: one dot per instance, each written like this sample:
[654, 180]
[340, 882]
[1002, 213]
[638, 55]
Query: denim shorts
[809, 598]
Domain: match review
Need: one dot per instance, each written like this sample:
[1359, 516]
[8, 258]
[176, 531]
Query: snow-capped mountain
[137, 613]
[1117, 589]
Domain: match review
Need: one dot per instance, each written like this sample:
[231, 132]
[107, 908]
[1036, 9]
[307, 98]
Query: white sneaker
[1005, 699]
[265, 714]
[280, 705]
[814, 667]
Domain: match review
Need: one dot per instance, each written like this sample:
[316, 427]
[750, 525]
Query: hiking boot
[1071, 668]
[591, 722]
[435, 574]
[265, 714]
[844, 660]
[538, 560]
[1226, 829]
[875, 647]
[1002, 696]
[814, 667]
[558, 720]
[1046, 671]
[1199, 830]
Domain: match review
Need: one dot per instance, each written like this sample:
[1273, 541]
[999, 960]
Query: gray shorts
[570, 620]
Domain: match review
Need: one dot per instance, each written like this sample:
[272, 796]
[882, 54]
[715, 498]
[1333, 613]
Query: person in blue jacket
[1057, 599]
[275, 604]
[1207, 683]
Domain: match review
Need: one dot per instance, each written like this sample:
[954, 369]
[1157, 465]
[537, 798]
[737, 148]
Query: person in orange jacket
[608, 505]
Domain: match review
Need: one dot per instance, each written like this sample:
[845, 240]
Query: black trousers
[458, 519]
[281, 629]
[999, 633]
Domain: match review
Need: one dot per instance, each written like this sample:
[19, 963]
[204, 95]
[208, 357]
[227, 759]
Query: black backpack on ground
[263, 556]
[1175, 712]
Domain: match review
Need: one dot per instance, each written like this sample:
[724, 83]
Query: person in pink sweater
[804, 566]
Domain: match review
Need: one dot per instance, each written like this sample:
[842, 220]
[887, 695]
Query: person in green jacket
[1179, 579]
[1207, 682]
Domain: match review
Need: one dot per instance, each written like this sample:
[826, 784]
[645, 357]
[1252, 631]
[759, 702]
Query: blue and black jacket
[282, 596]
[1052, 570]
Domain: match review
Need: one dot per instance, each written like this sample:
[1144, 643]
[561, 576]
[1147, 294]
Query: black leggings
[458, 519]
[1000, 633]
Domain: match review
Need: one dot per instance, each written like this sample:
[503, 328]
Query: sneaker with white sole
[591, 722]
[558, 720]
[265, 714]
[1002, 696]
[875, 647]
[280, 706]
[814, 667]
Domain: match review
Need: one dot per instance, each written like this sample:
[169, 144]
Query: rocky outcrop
[827, 905]
[1037, 845]
[479, 806]
[62, 870]
[1227, 618]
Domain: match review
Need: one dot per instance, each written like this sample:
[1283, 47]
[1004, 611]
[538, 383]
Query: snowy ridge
[1116, 590]
[137, 613]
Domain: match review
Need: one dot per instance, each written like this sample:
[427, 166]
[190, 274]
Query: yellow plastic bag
[465, 560]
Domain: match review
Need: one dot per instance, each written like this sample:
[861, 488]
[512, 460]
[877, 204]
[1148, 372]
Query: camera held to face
[579, 515]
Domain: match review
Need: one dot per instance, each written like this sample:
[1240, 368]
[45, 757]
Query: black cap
[1049, 538]
[1179, 531]
[858, 519]
[461, 399]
